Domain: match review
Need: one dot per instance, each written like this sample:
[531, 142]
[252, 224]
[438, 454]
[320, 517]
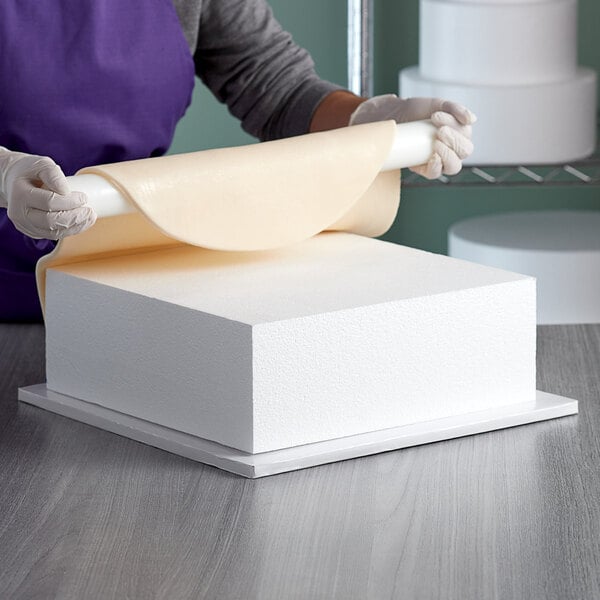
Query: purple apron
[84, 82]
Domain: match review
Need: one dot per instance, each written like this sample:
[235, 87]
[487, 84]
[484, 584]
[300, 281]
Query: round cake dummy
[560, 248]
[521, 124]
[496, 44]
[513, 63]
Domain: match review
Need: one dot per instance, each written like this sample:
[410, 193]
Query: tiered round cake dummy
[513, 63]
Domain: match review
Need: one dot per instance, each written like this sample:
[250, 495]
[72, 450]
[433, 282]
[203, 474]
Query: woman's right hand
[49, 212]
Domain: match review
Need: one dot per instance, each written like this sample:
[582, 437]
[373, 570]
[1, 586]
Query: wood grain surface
[511, 514]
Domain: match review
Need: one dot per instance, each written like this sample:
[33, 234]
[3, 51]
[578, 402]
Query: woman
[101, 81]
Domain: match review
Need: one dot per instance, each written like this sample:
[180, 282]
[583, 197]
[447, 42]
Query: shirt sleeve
[250, 63]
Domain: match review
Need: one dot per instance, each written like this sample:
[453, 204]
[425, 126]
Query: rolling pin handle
[413, 145]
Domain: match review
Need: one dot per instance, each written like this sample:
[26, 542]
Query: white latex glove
[52, 212]
[453, 121]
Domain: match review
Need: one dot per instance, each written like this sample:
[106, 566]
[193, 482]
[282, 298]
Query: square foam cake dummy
[266, 197]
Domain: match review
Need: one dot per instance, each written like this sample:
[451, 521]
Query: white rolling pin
[413, 145]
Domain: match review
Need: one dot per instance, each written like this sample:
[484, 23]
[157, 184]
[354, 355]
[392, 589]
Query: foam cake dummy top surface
[256, 197]
[330, 272]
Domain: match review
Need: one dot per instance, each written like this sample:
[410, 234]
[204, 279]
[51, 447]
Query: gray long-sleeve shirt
[251, 64]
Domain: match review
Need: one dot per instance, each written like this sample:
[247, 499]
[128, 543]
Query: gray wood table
[512, 514]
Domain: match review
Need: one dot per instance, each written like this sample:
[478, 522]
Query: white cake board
[546, 406]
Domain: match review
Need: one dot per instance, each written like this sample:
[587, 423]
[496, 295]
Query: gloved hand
[52, 212]
[453, 121]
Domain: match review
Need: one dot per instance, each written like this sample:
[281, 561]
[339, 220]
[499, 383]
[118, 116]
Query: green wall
[425, 213]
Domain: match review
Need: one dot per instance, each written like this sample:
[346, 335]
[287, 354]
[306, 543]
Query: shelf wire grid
[581, 172]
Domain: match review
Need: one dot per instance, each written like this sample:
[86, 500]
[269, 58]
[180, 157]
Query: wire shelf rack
[581, 172]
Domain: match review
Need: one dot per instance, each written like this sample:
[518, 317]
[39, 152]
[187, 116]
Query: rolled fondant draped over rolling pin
[256, 197]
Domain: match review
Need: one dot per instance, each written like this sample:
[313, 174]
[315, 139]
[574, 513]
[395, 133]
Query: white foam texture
[337, 336]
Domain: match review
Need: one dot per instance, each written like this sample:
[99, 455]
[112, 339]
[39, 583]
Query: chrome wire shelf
[581, 172]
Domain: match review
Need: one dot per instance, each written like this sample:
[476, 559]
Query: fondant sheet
[256, 197]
